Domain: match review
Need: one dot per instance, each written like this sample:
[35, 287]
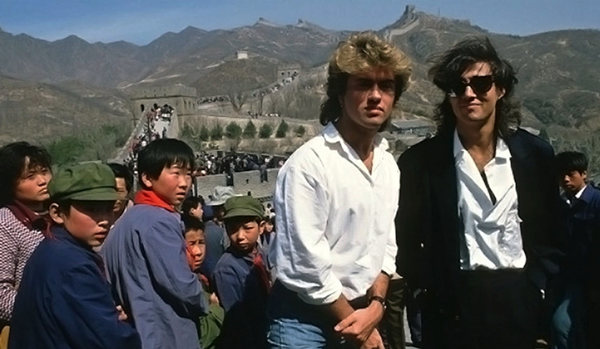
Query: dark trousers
[391, 328]
[495, 309]
[593, 318]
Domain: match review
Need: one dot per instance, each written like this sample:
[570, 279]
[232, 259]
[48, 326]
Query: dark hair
[162, 153]
[122, 171]
[568, 161]
[13, 157]
[360, 53]
[189, 203]
[448, 68]
[191, 223]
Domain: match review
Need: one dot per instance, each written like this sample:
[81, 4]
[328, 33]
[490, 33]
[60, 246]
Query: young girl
[24, 176]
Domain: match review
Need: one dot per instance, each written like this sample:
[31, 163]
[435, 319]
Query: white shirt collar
[502, 151]
[332, 135]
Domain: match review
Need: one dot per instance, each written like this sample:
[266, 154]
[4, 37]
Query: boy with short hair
[241, 279]
[580, 211]
[64, 300]
[209, 325]
[145, 252]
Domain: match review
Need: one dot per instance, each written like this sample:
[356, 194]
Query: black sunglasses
[479, 84]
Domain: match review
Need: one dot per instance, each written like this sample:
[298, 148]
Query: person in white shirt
[477, 222]
[336, 198]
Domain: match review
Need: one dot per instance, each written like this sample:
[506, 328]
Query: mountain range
[52, 89]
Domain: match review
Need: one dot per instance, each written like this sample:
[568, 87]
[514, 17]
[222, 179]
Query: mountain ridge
[557, 70]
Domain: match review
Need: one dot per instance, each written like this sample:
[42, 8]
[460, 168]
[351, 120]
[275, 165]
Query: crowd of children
[83, 266]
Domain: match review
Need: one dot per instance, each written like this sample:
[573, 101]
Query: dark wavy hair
[448, 68]
[13, 158]
[359, 53]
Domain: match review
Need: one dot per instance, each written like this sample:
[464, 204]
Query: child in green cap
[241, 278]
[64, 300]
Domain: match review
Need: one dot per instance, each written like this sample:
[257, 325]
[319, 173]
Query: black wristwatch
[378, 299]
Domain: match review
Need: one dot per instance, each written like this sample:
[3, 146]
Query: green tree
[282, 129]
[249, 130]
[187, 131]
[216, 133]
[300, 131]
[233, 131]
[66, 150]
[204, 133]
[265, 131]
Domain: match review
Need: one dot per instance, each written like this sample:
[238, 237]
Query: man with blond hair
[336, 198]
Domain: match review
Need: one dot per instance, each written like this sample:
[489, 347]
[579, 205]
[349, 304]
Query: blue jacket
[582, 221]
[147, 267]
[243, 295]
[64, 301]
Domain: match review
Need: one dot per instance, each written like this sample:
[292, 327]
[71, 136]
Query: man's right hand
[361, 323]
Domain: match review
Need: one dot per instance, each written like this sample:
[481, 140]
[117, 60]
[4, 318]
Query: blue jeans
[294, 334]
[293, 324]
[568, 320]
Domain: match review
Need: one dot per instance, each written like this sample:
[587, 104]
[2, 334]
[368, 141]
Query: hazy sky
[141, 21]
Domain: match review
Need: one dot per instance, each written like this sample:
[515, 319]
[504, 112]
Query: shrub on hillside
[233, 131]
[249, 130]
[266, 130]
[282, 129]
[216, 133]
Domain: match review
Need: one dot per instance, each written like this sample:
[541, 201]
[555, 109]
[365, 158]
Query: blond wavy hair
[360, 53]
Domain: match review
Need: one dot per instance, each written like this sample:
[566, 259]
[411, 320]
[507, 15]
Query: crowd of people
[148, 131]
[468, 229]
[228, 163]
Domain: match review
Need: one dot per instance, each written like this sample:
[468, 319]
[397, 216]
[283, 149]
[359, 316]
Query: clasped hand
[360, 326]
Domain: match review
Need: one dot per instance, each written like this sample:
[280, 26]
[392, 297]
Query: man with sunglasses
[477, 216]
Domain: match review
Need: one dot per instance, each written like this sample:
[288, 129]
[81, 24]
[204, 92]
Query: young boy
[145, 252]
[64, 300]
[209, 326]
[580, 211]
[24, 177]
[241, 279]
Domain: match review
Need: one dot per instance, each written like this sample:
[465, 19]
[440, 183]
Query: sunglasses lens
[481, 84]
[457, 88]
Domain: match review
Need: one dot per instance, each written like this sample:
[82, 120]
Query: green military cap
[245, 206]
[84, 182]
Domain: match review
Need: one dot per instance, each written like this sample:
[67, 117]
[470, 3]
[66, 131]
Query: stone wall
[243, 182]
[181, 97]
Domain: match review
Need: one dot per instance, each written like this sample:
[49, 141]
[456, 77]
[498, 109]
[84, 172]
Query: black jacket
[428, 226]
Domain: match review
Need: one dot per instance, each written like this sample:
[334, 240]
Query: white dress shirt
[569, 200]
[335, 220]
[492, 232]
